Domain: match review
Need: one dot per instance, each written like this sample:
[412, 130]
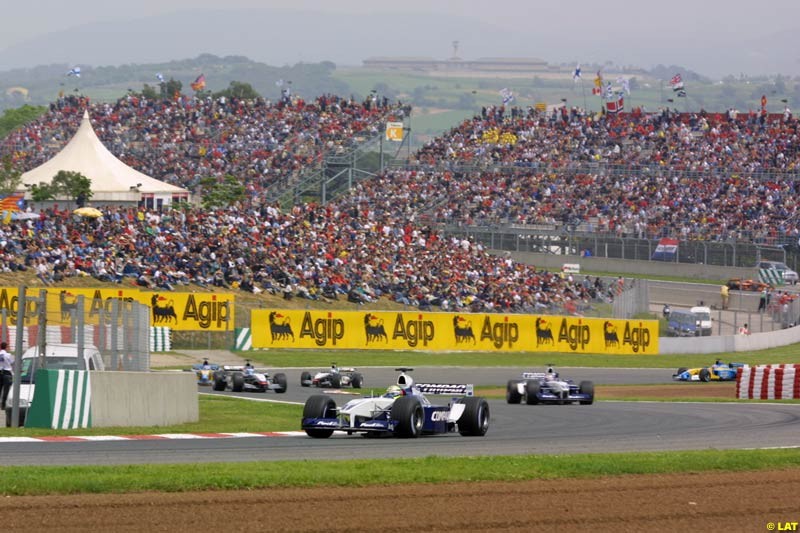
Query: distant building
[483, 64]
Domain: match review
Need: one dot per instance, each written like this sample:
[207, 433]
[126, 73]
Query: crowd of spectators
[378, 241]
[181, 141]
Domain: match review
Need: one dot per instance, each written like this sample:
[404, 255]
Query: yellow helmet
[394, 391]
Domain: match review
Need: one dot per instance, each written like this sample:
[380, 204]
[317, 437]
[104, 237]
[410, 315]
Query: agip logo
[544, 334]
[462, 329]
[373, 327]
[280, 327]
[500, 334]
[413, 331]
[577, 336]
[322, 330]
[637, 337]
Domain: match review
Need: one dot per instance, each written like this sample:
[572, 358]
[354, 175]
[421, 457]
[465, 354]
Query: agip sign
[451, 331]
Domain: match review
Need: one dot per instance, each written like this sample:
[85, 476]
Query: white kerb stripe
[68, 404]
[87, 404]
[57, 399]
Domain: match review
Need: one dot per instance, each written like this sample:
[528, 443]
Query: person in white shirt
[6, 375]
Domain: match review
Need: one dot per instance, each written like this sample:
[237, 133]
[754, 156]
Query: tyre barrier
[768, 382]
[160, 339]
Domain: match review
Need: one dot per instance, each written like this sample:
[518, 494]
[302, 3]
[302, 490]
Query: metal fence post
[21, 304]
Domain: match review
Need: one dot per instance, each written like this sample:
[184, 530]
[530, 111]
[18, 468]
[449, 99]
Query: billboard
[451, 332]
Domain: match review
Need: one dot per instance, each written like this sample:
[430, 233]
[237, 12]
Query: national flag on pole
[160, 77]
[75, 71]
[677, 86]
[12, 203]
[598, 84]
[576, 74]
[666, 250]
[506, 95]
[616, 105]
[199, 83]
[609, 91]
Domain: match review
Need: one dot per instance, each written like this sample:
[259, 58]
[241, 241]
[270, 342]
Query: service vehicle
[248, 379]
[548, 387]
[719, 371]
[57, 357]
[682, 323]
[703, 318]
[403, 411]
[333, 377]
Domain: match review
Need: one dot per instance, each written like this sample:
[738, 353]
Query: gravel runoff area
[715, 501]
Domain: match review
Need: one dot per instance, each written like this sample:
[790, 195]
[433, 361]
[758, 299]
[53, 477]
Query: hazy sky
[637, 32]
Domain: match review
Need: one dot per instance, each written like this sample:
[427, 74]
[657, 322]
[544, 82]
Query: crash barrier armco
[62, 400]
[71, 399]
[244, 339]
[768, 382]
[430, 331]
[160, 339]
[729, 343]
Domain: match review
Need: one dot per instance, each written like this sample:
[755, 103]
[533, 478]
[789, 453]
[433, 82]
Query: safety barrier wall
[377, 330]
[768, 382]
[729, 343]
[143, 398]
[62, 400]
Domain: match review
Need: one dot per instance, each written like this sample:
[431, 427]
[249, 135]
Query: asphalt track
[515, 429]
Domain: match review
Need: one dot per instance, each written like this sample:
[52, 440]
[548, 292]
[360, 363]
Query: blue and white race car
[548, 387]
[205, 373]
[719, 371]
[403, 411]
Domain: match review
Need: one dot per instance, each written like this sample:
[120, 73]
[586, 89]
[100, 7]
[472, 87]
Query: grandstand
[690, 176]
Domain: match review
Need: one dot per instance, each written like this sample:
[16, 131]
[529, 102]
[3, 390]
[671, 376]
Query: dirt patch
[691, 502]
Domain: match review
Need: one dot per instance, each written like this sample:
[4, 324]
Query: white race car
[403, 411]
[334, 377]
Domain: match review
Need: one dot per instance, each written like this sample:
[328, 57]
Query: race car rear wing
[456, 389]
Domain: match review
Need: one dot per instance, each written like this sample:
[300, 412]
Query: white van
[58, 357]
[703, 315]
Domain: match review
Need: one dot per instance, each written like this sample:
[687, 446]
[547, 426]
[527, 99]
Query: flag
[598, 84]
[609, 93]
[666, 250]
[576, 74]
[507, 95]
[676, 80]
[76, 71]
[626, 85]
[616, 105]
[160, 77]
[279, 83]
[13, 202]
[677, 86]
[199, 83]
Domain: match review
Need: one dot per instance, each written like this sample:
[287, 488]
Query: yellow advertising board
[183, 311]
[394, 131]
[451, 332]
[190, 311]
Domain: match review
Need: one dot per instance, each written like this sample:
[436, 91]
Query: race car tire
[305, 379]
[681, 370]
[587, 388]
[220, 383]
[280, 379]
[237, 384]
[532, 392]
[474, 421]
[336, 381]
[408, 413]
[319, 406]
[356, 380]
[705, 374]
[512, 392]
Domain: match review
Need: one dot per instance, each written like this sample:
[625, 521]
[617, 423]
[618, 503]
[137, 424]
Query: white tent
[112, 180]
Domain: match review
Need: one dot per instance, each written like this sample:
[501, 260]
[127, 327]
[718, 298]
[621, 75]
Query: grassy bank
[215, 476]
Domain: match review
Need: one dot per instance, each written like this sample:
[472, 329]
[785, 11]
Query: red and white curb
[164, 436]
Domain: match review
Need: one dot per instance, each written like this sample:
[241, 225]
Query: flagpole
[583, 90]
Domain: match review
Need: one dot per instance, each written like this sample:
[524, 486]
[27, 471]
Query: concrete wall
[728, 343]
[624, 266]
[144, 398]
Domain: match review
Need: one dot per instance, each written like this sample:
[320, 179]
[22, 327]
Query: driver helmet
[394, 391]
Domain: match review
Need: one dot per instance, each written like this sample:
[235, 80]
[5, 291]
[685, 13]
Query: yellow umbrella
[89, 212]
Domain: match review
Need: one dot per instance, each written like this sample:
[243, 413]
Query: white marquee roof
[111, 178]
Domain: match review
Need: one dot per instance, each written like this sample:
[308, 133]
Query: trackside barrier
[160, 339]
[244, 339]
[61, 400]
[771, 276]
[768, 382]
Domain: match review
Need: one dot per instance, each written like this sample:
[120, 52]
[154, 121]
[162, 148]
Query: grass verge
[311, 359]
[28, 480]
[218, 414]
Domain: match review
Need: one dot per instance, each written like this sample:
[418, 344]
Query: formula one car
[403, 411]
[737, 284]
[248, 379]
[205, 373]
[719, 371]
[334, 377]
[547, 387]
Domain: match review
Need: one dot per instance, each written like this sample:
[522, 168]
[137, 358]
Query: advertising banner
[451, 332]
